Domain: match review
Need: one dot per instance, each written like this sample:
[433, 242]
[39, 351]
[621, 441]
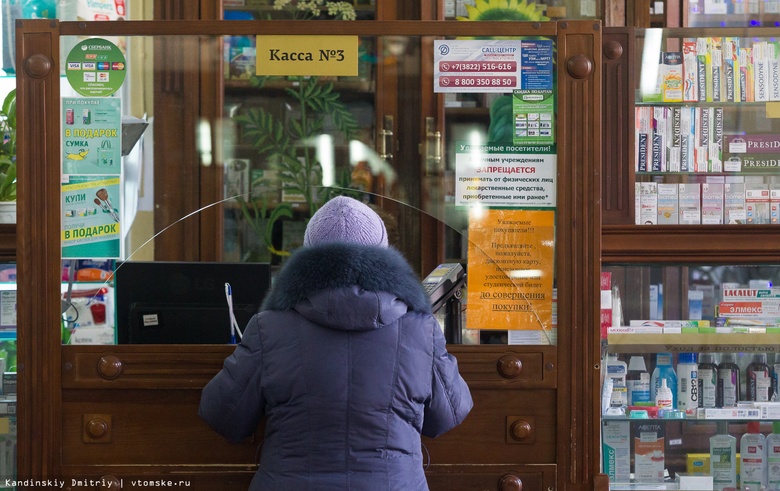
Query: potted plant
[8, 158]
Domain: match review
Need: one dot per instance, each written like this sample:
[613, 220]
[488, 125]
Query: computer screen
[174, 302]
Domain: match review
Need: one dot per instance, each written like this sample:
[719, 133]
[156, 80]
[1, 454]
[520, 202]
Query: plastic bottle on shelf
[617, 370]
[708, 380]
[687, 383]
[664, 371]
[723, 458]
[39, 9]
[759, 383]
[728, 381]
[637, 380]
[773, 456]
[752, 451]
[663, 396]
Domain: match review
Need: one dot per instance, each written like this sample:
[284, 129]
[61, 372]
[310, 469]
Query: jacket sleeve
[232, 402]
[450, 396]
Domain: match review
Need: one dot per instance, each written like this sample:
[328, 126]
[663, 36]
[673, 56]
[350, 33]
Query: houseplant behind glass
[8, 158]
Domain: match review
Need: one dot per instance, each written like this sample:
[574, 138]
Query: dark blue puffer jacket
[349, 367]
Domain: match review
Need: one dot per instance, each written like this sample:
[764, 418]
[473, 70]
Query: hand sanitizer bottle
[773, 456]
[723, 458]
[752, 452]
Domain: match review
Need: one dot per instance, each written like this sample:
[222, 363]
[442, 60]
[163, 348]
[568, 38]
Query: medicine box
[693, 481]
[616, 447]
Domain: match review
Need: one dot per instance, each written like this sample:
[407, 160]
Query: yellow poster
[510, 269]
[307, 55]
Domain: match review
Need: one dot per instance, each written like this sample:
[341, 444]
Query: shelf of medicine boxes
[694, 342]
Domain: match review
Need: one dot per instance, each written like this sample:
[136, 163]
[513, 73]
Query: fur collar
[336, 265]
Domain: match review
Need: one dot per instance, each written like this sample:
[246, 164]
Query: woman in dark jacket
[345, 361]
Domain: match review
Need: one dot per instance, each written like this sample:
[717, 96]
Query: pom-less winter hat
[344, 219]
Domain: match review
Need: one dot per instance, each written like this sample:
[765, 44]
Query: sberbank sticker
[307, 55]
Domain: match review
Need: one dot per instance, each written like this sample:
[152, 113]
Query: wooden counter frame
[570, 371]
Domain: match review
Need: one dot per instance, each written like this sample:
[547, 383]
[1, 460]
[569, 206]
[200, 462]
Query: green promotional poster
[90, 222]
[534, 114]
[91, 135]
[95, 68]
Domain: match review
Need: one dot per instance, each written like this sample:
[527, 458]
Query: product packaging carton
[616, 448]
[649, 452]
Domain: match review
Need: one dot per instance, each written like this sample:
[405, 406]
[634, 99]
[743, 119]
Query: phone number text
[477, 81]
[478, 66]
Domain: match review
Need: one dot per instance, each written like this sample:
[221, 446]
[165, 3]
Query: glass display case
[688, 326]
[725, 13]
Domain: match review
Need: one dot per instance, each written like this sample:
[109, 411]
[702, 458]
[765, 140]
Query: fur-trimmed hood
[348, 286]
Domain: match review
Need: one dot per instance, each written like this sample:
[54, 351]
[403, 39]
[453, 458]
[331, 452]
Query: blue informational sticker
[536, 57]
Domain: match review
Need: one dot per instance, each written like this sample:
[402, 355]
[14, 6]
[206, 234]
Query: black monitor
[170, 302]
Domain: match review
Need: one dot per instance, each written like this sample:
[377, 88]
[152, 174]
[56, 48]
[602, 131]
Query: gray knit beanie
[344, 219]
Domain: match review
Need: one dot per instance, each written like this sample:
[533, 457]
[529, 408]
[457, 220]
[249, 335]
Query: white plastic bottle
[663, 396]
[664, 370]
[687, 383]
[638, 380]
[773, 456]
[723, 458]
[752, 452]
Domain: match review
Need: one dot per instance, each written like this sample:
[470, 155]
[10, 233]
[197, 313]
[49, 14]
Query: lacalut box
[711, 203]
[667, 204]
[648, 203]
[616, 449]
[689, 199]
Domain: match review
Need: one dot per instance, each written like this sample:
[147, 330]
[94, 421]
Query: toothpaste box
[649, 452]
[616, 448]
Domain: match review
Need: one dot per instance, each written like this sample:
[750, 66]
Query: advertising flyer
[505, 175]
[510, 269]
[534, 116]
[493, 65]
[90, 223]
[91, 135]
[95, 68]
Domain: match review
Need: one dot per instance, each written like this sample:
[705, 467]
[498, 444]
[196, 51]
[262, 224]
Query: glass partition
[280, 146]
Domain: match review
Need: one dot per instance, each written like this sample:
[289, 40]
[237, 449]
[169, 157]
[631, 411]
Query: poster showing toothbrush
[90, 223]
[91, 135]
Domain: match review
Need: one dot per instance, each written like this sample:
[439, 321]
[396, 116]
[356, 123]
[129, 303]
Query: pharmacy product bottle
[687, 383]
[663, 396]
[664, 370]
[723, 458]
[759, 383]
[773, 456]
[752, 452]
[728, 381]
[708, 380]
[637, 380]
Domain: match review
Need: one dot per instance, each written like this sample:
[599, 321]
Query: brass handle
[96, 428]
[510, 483]
[509, 366]
[385, 139]
[109, 367]
[433, 147]
[520, 430]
